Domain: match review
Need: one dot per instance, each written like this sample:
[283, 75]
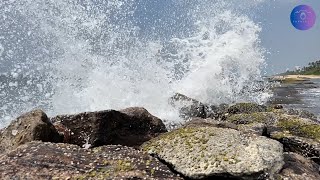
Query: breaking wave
[67, 56]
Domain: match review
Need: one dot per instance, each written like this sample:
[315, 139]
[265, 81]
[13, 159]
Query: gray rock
[306, 147]
[128, 127]
[246, 108]
[301, 113]
[188, 107]
[191, 108]
[199, 122]
[38, 160]
[210, 152]
[299, 135]
[31, 126]
[298, 167]
[254, 128]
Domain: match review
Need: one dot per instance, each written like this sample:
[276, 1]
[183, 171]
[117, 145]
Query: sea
[69, 56]
[303, 95]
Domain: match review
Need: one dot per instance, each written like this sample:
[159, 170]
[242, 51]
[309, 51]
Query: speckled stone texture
[31, 126]
[38, 160]
[204, 152]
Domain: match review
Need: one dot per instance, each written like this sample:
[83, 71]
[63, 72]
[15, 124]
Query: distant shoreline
[294, 77]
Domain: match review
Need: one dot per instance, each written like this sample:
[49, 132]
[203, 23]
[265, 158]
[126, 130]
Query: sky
[287, 46]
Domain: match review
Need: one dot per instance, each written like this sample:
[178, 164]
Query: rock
[211, 152]
[298, 168]
[309, 148]
[129, 127]
[301, 113]
[268, 118]
[246, 108]
[255, 128]
[217, 112]
[31, 126]
[191, 108]
[38, 160]
[300, 135]
[277, 106]
[199, 122]
[188, 107]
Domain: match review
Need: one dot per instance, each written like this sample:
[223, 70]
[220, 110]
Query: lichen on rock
[201, 152]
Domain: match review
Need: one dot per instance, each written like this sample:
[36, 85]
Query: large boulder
[38, 160]
[298, 167]
[129, 127]
[31, 126]
[210, 152]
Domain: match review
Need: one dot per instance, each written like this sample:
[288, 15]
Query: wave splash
[68, 56]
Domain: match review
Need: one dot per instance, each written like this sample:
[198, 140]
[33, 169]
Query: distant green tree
[313, 68]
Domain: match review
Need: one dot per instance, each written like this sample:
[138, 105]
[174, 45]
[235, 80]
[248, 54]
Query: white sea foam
[88, 55]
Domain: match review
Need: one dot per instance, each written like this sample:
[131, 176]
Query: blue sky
[287, 46]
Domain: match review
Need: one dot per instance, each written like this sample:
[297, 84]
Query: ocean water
[68, 56]
[303, 95]
[311, 98]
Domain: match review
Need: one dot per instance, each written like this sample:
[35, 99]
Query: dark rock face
[246, 108]
[38, 160]
[31, 126]
[191, 108]
[129, 127]
[299, 168]
[188, 107]
[307, 147]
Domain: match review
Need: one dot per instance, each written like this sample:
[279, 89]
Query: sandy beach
[295, 77]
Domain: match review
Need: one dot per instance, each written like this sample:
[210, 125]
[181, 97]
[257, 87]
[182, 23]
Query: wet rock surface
[129, 127]
[211, 152]
[241, 141]
[31, 126]
[188, 107]
[38, 160]
[298, 167]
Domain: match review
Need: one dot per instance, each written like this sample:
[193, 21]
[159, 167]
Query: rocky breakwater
[240, 141]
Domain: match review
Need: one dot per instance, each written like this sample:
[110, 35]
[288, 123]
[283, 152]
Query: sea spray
[67, 56]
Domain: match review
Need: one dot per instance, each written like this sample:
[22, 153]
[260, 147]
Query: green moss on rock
[300, 128]
[246, 108]
[257, 117]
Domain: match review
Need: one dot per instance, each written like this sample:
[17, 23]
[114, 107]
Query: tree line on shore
[313, 68]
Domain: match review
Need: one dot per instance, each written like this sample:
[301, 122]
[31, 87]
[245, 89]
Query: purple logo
[303, 17]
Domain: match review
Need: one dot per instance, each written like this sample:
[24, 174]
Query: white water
[89, 55]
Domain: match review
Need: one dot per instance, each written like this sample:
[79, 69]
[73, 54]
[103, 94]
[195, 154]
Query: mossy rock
[257, 117]
[210, 152]
[301, 128]
[292, 80]
[246, 108]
